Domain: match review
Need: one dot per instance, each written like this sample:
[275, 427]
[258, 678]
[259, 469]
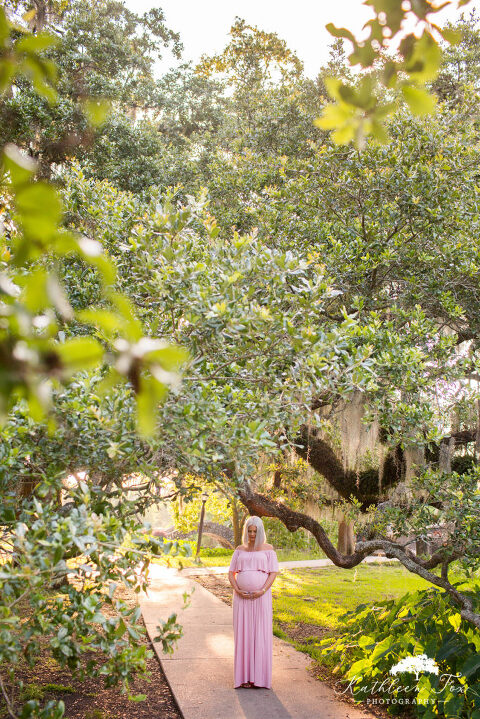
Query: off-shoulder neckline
[254, 551]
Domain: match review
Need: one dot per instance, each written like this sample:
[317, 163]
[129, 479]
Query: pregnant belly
[250, 580]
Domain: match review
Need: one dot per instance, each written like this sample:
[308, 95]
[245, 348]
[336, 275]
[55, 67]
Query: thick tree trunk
[37, 23]
[346, 536]
[277, 479]
[237, 523]
[364, 486]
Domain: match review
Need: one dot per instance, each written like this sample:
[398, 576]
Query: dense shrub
[375, 638]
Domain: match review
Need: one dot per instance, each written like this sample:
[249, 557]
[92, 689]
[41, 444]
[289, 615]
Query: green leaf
[4, 27]
[339, 32]
[471, 666]
[170, 357]
[36, 43]
[133, 632]
[120, 630]
[35, 295]
[148, 398]
[379, 133]
[111, 379]
[107, 321]
[40, 72]
[456, 621]
[423, 58]
[80, 353]
[365, 97]
[40, 209]
[7, 73]
[358, 667]
[344, 135]
[96, 111]
[334, 116]
[7, 514]
[419, 101]
[20, 166]
[453, 706]
[363, 55]
[37, 406]
[132, 325]
[28, 16]
[348, 94]
[452, 36]
[333, 85]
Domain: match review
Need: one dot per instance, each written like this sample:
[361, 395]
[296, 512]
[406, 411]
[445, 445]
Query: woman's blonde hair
[260, 537]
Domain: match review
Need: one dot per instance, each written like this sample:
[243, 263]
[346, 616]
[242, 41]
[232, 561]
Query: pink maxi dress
[252, 618]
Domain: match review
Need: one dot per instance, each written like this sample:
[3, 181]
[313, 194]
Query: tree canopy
[203, 282]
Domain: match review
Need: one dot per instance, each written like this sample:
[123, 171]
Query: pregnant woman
[252, 572]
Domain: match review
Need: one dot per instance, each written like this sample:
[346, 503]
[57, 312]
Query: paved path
[200, 671]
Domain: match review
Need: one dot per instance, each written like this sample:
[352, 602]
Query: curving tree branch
[263, 506]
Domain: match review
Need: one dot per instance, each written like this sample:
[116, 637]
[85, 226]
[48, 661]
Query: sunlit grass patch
[321, 595]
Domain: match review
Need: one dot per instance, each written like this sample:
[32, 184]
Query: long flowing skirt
[253, 632]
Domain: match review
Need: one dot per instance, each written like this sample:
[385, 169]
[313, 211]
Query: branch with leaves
[386, 81]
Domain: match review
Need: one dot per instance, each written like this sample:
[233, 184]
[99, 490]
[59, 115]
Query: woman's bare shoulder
[267, 546]
[241, 548]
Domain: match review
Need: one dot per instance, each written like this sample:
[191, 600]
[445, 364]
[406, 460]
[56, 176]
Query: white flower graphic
[416, 664]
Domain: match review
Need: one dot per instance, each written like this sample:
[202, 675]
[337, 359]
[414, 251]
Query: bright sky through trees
[204, 26]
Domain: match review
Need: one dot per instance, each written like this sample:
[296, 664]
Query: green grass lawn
[320, 596]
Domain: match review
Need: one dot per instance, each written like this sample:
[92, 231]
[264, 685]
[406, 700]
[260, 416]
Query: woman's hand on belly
[244, 595]
[250, 595]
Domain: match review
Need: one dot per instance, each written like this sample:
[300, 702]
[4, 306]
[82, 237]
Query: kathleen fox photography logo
[417, 665]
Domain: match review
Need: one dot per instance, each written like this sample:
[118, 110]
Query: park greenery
[358, 638]
[201, 287]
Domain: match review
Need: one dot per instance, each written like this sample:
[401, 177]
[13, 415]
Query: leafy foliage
[360, 108]
[372, 639]
[32, 356]
[68, 623]
[40, 534]
[458, 496]
[232, 302]
[392, 225]
[103, 56]
[186, 517]
[304, 269]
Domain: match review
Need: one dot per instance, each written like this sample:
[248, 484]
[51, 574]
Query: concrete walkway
[200, 671]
